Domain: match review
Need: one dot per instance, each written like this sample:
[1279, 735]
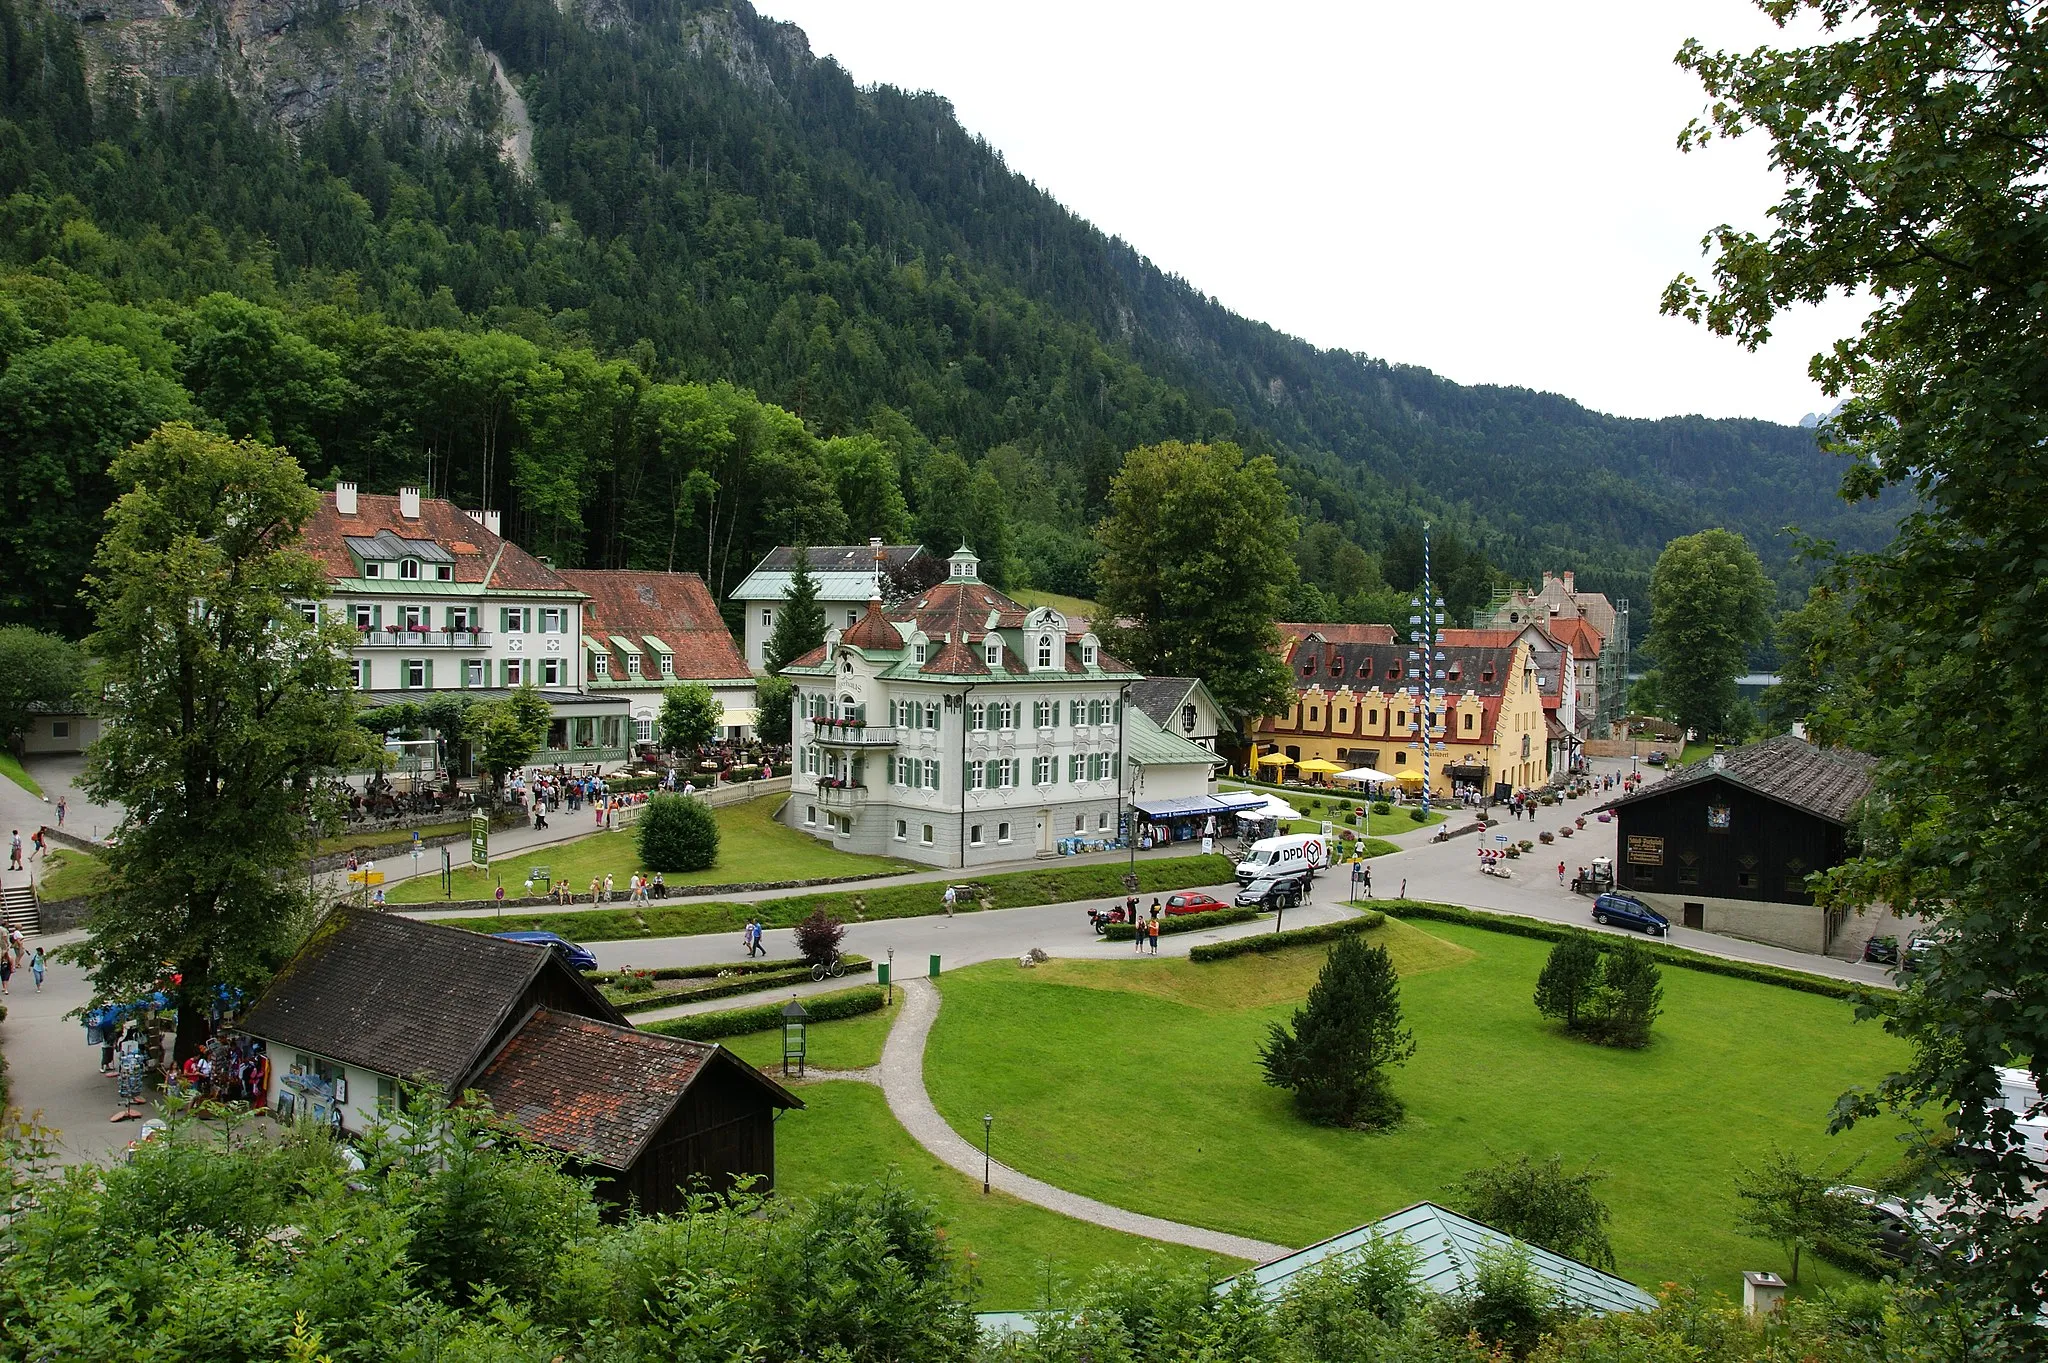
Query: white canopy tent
[1369, 776]
[1274, 808]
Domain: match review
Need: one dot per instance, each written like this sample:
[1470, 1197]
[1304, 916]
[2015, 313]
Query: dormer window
[632, 664]
[1045, 650]
[992, 652]
[600, 664]
[1486, 673]
[1308, 666]
[409, 569]
[373, 570]
[444, 572]
[1365, 669]
[1337, 666]
[917, 652]
[1088, 654]
[1394, 670]
[668, 665]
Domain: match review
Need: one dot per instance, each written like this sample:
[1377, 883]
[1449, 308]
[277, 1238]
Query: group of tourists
[15, 955]
[750, 938]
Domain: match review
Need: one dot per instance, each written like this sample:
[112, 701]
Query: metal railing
[847, 734]
[424, 638]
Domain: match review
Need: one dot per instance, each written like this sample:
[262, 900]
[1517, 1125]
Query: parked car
[1657, 758]
[1626, 911]
[1271, 892]
[1917, 946]
[1188, 901]
[1882, 951]
[576, 957]
[1900, 1230]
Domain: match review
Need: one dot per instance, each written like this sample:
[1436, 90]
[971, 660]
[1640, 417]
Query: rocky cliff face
[297, 58]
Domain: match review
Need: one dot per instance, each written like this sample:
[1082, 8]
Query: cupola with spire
[963, 566]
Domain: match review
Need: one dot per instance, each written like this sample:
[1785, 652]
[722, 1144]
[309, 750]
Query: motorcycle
[1100, 919]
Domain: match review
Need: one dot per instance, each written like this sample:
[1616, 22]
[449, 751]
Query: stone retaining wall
[60, 915]
[620, 894]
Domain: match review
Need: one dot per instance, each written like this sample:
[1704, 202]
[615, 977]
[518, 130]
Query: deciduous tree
[1197, 554]
[1917, 176]
[37, 670]
[690, 717]
[508, 733]
[1709, 604]
[226, 707]
[677, 833]
[1797, 1206]
[1541, 1202]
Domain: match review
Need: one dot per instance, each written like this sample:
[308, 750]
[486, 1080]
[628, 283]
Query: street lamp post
[988, 1121]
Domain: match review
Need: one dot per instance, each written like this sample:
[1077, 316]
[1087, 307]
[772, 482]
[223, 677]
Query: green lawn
[845, 1134]
[751, 847]
[68, 874]
[1053, 884]
[1065, 605]
[1376, 825]
[1695, 752]
[1735, 1066]
[11, 768]
[848, 1044]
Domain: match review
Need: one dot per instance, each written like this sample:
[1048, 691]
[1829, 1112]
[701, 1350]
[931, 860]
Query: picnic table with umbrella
[1273, 759]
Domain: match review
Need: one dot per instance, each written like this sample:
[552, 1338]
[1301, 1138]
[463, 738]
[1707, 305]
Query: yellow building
[1353, 707]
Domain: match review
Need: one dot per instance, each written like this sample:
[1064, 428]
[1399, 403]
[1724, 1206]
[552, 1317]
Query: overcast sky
[1492, 190]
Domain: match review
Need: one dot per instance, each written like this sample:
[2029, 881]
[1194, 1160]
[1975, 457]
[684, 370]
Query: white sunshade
[1371, 776]
[1274, 808]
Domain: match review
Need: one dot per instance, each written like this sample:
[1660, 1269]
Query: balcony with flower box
[841, 792]
[852, 733]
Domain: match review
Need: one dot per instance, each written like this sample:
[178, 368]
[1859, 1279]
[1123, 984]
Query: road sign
[480, 840]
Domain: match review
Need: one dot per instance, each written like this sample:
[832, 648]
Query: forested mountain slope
[422, 293]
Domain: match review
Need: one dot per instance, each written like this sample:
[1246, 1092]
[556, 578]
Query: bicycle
[833, 966]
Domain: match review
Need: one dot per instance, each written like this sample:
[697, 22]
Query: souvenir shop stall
[136, 1039]
[1191, 818]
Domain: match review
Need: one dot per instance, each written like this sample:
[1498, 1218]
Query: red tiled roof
[675, 608]
[1576, 632]
[591, 1089]
[955, 660]
[1479, 638]
[873, 632]
[960, 609]
[811, 659]
[480, 556]
[1295, 631]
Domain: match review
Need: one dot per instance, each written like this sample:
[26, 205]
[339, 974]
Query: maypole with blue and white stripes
[1425, 632]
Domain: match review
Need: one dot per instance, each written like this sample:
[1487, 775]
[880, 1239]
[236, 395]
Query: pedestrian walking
[6, 969]
[595, 886]
[540, 814]
[63, 805]
[14, 850]
[607, 887]
[1560, 873]
[948, 899]
[1152, 931]
[1368, 880]
[1404, 887]
[36, 841]
[36, 966]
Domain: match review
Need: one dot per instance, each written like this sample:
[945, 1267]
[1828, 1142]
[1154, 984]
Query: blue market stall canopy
[1196, 806]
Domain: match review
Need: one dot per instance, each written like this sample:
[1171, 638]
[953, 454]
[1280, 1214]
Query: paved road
[51, 1070]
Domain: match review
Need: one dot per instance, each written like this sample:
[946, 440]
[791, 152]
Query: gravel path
[902, 1080]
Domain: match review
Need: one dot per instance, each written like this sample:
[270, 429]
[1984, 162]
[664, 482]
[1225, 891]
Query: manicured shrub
[1382, 807]
[1170, 923]
[1564, 990]
[768, 1016]
[1280, 941]
[818, 936]
[677, 833]
[1418, 814]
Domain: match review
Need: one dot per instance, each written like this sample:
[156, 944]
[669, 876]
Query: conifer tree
[1565, 988]
[800, 624]
[1350, 1032]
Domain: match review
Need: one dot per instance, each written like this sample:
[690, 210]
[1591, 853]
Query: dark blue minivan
[578, 958]
[1626, 911]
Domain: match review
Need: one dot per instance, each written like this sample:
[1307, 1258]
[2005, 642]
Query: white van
[1293, 854]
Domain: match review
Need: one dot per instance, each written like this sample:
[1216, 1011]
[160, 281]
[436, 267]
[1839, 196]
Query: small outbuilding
[1726, 845]
[373, 1000]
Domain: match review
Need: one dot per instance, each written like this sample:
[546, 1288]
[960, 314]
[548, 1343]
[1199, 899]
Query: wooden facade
[1714, 838]
[721, 1130]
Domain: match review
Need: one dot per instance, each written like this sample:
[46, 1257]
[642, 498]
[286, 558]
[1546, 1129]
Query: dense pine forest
[735, 299]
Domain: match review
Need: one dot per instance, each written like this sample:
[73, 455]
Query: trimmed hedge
[719, 989]
[699, 972]
[1170, 923]
[1663, 952]
[767, 1017]
[1280, 941]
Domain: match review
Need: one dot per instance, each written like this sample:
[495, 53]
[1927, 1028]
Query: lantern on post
[793, 1036]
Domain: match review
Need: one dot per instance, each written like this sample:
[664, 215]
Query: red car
[1190, 902]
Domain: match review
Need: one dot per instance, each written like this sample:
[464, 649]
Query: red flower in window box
[393, 629]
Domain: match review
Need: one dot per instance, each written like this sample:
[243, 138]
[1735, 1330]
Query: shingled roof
[442, 532]
[675, 609]
[1827, 783]
[598, 1091]
[401, 997]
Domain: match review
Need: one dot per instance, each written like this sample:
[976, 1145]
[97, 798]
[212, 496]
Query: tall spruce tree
[1565, 988]
[226, 708]
[800, 621]
[1336, 1057]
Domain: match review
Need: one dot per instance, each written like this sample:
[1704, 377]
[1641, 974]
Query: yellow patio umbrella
[1320, 766]
[1275, 759]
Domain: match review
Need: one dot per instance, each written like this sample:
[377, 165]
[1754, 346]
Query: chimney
[345, 498]
[1568, 582]
[492, 520]
[409, 503]
[1548, 576]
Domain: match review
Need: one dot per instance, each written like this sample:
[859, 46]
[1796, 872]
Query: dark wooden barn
[653, 1117]
[372, 1000]
[1728, 843]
